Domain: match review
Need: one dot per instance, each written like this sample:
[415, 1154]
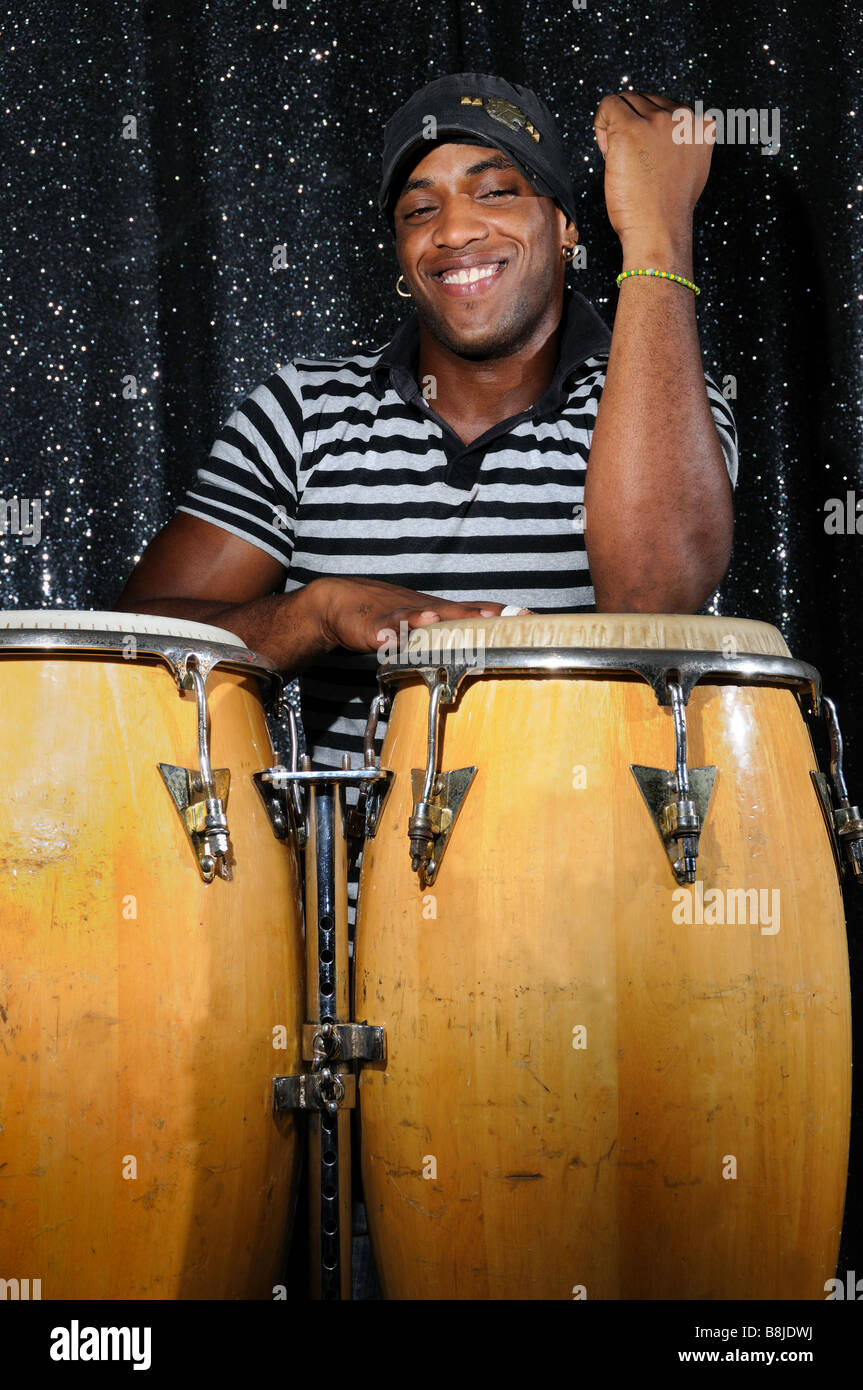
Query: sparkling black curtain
[156, 156]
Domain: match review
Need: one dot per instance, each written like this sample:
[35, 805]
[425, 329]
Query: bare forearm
[282, 627]
[295, 629]
[657, 497]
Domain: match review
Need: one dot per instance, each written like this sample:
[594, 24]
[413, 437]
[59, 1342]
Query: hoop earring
[571, 250]
[402, 294]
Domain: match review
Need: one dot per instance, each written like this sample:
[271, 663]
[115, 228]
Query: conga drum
[618, 1062]
[151, 964]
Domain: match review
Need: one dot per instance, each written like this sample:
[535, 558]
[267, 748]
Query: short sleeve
[725, 426]
[248, 485]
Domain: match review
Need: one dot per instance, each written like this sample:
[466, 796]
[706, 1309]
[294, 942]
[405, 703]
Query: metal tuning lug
[281, 801]
[677, 800]
[362, 819]
[437, 796]
[435, 816]
[200, 796]
[844, 821]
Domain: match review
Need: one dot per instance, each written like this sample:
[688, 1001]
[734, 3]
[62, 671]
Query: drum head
[81, 620]
[643, 631]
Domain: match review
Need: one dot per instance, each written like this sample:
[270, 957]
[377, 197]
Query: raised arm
[659, 519]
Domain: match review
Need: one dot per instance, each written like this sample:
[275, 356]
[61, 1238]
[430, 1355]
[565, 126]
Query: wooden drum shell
[603, 1171]
[138, 1002]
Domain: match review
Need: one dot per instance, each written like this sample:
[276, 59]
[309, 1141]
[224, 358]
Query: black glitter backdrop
[259, 125]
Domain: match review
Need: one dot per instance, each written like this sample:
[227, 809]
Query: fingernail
[430, 616]
[488, 613]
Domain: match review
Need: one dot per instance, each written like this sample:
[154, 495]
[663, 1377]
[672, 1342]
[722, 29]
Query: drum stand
[331, 1042]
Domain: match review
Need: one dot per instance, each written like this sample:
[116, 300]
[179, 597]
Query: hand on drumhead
[360, 614]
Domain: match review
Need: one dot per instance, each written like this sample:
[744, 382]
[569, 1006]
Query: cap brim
[401, 166]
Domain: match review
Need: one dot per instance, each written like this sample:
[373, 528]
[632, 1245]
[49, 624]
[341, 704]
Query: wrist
[315, 600]
[658, 252]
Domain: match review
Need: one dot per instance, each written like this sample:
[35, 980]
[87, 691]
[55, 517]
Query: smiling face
[480, 251]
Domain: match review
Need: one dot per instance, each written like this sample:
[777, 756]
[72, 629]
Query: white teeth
[468, 277]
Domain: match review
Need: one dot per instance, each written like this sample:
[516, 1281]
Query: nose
[459, 222]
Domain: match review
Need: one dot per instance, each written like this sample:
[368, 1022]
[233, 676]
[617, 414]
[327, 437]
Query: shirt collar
[584, 335]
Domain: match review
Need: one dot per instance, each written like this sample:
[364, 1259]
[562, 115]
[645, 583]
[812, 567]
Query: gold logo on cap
[502, 110]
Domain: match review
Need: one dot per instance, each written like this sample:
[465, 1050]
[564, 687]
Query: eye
[416, 212]
[500, 193]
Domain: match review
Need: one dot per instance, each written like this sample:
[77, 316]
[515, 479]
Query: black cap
[484, 111]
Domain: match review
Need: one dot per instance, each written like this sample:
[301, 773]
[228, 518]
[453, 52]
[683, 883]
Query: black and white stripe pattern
[342, 468]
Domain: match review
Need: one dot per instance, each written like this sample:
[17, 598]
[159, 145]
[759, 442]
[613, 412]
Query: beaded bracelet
[662, 275]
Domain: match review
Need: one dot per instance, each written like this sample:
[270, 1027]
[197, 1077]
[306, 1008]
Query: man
[446, 475]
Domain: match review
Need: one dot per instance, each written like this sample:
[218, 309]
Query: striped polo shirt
[344, 468]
